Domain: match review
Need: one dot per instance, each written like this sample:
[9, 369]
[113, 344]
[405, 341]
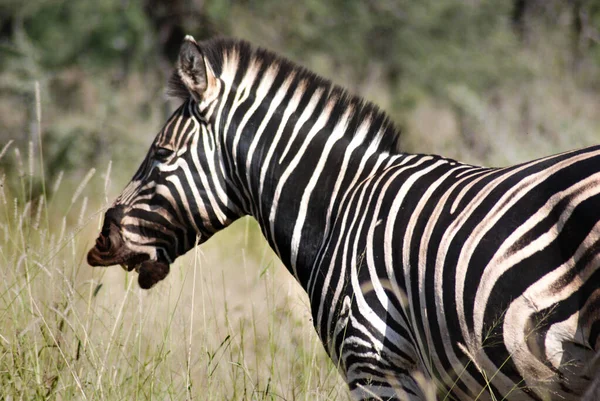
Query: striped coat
[426, 276]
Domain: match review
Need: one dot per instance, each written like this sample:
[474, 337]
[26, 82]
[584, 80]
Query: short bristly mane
[216, 51]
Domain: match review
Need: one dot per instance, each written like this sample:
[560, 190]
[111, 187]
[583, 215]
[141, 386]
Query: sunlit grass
[228, 323]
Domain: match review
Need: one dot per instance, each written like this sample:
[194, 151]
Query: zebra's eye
[162, 154]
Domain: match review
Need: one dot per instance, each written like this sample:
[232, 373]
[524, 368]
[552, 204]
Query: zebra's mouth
[151, 272]
[109, 251]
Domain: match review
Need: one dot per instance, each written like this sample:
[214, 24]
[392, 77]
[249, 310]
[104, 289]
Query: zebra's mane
[380, 130]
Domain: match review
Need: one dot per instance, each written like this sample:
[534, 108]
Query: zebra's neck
[294, 150]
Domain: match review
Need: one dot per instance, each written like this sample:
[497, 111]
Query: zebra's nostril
[112, 217]
[103, 242]
[108, 248]
[94, 257]
[106, 227]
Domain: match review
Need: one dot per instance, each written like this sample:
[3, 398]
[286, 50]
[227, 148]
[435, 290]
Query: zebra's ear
[192, 69]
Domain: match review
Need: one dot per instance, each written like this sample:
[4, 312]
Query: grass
[228, 323]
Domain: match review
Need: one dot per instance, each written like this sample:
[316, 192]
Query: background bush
[485, 81]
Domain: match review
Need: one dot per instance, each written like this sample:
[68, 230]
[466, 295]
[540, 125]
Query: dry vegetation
[230, 323]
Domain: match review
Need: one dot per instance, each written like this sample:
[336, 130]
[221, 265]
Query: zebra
[427, 277]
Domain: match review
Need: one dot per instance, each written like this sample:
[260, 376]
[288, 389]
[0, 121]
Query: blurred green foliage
[59, 33]
[102, 66]
[95, 34]
[422, 44]
[85, 55]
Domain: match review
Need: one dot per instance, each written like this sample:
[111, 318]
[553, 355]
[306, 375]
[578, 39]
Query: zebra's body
[504, 260]
[483, 281]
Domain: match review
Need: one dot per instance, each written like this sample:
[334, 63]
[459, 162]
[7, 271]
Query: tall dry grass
[228, 323]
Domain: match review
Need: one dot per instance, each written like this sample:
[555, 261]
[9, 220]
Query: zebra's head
[179, 195]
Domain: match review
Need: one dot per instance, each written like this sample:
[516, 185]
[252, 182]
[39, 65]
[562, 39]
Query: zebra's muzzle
[109, 250]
